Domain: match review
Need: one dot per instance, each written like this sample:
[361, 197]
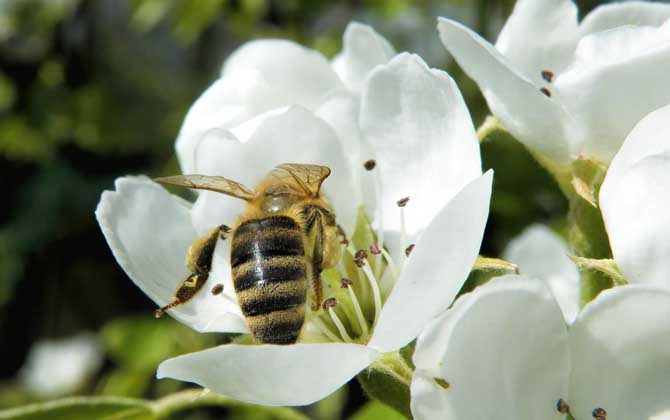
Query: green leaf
[376, 411]
[330, 408]
[141, 343]
[82, 408]
[484, 270]
[388, 381]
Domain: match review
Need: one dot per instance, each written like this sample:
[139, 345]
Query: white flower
[505, 352]
[540, 253]
[407, 117]
[635, 203]
[60, 366]
[601, 76]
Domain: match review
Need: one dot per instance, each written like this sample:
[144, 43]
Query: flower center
[357, 287]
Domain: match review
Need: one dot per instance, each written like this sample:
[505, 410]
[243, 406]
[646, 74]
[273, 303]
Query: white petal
[633, 200]
[416, 124]
[543, 255]
[503, 350]
[645, 139]
[227, 102]
[613, 84]
[301, 75]
[539, 35]
[636, 215]
[612, 15]
[293, 136]
[620, 348]
[436, 269]
[362, 50]
[534, 119]
[149, 231]
[298, 374]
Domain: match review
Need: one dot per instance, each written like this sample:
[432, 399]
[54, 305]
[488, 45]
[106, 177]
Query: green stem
[193, 398]
[388, 380]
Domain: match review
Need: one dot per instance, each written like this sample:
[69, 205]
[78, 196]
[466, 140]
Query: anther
[562, 406]
[359, 257]
[547, 75]
[403, 202]
[369, 164]
[599, 413]
[345, 283]
[329, 303]
[409, 250]
[217, 289]
[374, 249]
[546, 91]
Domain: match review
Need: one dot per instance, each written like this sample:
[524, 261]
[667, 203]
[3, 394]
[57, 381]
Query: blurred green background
[93, 90]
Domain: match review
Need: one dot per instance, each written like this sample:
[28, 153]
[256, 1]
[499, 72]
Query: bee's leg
[317, 261]
[199, 261]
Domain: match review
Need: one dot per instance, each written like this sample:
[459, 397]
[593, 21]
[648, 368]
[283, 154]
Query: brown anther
[369, 164]
[217, 289]
[345, 283]
[361, 254]
[374, 249]
[599, 413]
[562, 406]
[547, 75]
[403, 202]
[409, 250]
[546, 91]
[329, 303]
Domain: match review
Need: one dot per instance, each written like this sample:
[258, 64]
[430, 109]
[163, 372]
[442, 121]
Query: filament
[376, 295]
[359, 312]
[403, 235]
[391, 264]
[339, 325]
[380, 219]
[325, 330]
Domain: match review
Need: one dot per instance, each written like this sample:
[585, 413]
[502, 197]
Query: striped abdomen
[269, 273]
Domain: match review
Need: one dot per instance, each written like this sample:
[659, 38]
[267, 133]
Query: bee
[284, 238]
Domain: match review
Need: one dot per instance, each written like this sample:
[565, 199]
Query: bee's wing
[212, 183]
[307, 178]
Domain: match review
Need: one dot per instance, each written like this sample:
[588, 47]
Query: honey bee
[280, 244]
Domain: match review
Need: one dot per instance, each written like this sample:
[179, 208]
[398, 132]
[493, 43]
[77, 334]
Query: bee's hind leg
[199, 261]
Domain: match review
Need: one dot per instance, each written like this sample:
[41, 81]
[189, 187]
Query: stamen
[357, 307]
[380, 219]
[376, 295]
[562, 406]
[403, 232]
[325, 330]
[391, 264]
[409, 250]
[374, 249]
[217, 289]
[547, 75]
[360, 257]
[546, 91]
[599, 413]
[328, 305]
[369, 164]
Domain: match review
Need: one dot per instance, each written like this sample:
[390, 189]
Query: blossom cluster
[407, 172]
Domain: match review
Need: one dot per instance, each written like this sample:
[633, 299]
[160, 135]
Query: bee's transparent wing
[306, 178]
[212, 183]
